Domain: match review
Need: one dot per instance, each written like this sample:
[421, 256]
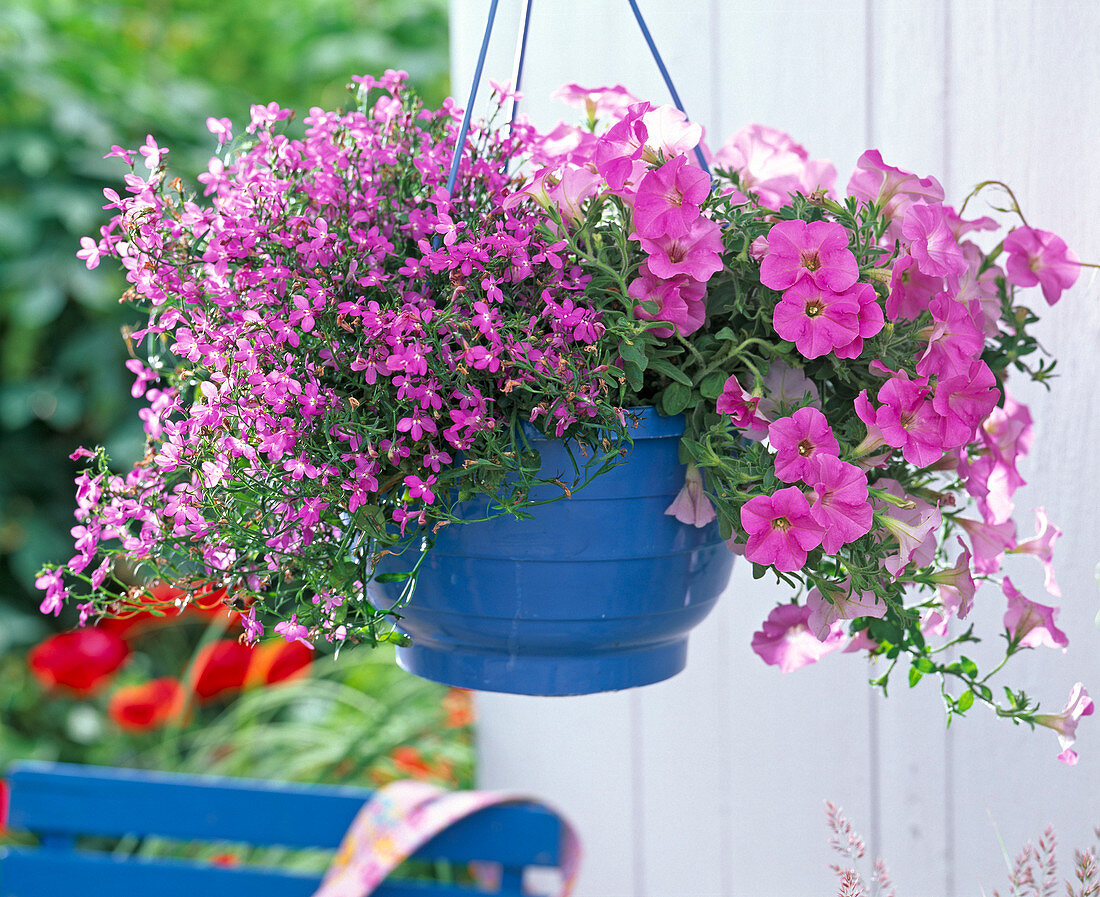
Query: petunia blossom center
[814, 307]
[805, 448]
[810, 259]
[782, 524]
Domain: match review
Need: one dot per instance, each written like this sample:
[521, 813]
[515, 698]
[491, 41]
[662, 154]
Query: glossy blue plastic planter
[597, 593]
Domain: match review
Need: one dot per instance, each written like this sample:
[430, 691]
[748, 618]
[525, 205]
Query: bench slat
[45, 873]
[88, 800]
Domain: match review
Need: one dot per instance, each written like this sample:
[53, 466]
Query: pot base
[548, 675]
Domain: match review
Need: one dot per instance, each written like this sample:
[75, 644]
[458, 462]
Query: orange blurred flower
[459, 705]
[138, 708]
[278, 661]
[410, 761]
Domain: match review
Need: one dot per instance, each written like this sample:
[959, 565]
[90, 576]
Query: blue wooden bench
[75, 809]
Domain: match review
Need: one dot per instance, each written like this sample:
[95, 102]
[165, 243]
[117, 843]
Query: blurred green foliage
[77, 76]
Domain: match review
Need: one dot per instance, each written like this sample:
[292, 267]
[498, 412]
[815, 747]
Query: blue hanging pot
[596, 593]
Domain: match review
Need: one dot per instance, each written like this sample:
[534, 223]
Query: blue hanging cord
[664, 74]
[521, 57]
[456, 158]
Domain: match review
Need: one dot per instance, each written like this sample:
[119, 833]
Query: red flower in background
[80, 661]
[138, 708]
[279, 661]
[5, 796]
[460, 708]
[207, 601]
[220, 667]
[410, 761]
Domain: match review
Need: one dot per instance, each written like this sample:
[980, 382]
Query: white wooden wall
[712, 784]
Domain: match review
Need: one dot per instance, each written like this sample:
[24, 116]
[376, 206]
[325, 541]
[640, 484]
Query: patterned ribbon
[401, 817]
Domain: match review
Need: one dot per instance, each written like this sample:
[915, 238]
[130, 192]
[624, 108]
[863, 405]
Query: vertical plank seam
[874, 759]
[637, 786]
[723, 690]
[948, 737]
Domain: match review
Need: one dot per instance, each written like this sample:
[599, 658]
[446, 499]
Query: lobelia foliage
[337, 350]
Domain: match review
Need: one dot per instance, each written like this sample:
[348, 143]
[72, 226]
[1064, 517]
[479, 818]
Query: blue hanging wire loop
[456, 158]
[521, 57]
[664, 74]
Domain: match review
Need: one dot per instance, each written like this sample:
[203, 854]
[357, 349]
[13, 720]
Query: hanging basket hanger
[517, 76]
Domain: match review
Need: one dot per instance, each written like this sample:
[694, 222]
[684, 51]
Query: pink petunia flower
[741, 406]
[771, 165]
[932, 242]
[892, 188]
[956, 339]
[668, 199]
[870, 320]
[908, 420]
[815, 320]
[913, 527]
[797, 440]
[596, 101]
[1041, 546]
[786, 641]
[668, 133]
[841, 506]
[691, 505]
[911, 290]
[1065, 723]
[956, 584]
[680, 300]
[1030, 624]
[574, 186]
[817, 250]
[964, 402]
[696, 254]
[786, 385]
[992, 477]
[1040, 257]
[781, 529]
[845, 605]
[989, 541]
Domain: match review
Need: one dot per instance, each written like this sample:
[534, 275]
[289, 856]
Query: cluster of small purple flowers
[340, 350]
[318, 380]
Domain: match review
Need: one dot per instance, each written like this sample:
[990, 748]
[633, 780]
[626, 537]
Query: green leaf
[968, 666]
[675, 398]
[663, 366]
[632, 353]
[915, 676]
[711, 387]
[965, 701]
[392, 577]
[924, 665]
